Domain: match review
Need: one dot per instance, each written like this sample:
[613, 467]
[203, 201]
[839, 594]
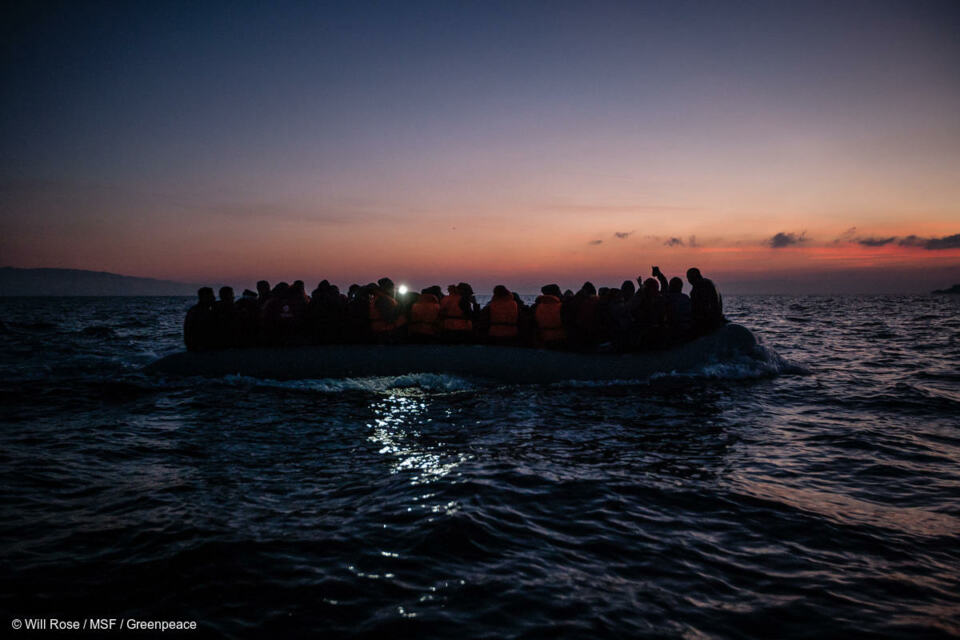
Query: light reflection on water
[397, 428]
[848, 510]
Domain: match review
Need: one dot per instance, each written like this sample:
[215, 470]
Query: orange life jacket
[378, 324]
[504, 314]
[549, 322]
[452, 315]
[424, 314]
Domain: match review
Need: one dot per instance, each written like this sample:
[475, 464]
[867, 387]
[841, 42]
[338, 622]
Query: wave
[437, 382]
[769, 365]
[763, 363]
[929, 394]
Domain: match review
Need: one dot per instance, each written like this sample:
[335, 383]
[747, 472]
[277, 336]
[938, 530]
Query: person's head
[249, 295]
[353, 290]
[386, 285]
[568, 294]
[451, 289]
[603, 292]
[693, 275]
[627, 289]
[551, 290]
[651, 287]
[226, 294]
[281, 289]
[263, 288]
[676, 285]
[205, 296]
[588, 289]
[500, 291]
[465, 289]
[435, 291]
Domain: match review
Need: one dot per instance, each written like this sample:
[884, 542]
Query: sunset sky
[794, 146]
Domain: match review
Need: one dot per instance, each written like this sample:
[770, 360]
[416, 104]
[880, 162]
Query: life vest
[452, 315]
[378, 324]
[424, 314]
[504, 314]
[549, 322]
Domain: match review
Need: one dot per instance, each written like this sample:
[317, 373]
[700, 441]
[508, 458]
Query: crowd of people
[657, 314]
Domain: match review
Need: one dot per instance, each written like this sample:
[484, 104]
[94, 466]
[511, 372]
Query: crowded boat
[657, 314]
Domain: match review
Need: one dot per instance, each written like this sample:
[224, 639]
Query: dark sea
[813, 493]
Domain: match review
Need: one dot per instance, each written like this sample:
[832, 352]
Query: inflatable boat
[506, 364]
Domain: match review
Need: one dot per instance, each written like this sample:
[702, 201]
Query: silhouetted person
[199, 327]
[285, 315]
[270, 314]
[383, 312]
[326, 314]
[525, 323]
[466, 291]
[503, 318]
[583, 316]
[248, 318]
[613, 319]
[705, 303]
[627, 290]
[263, 292]
[424, 321]
[679, 311]
[298, 289]
[226, 320]
[405, 302]
[456, 314]
[358, 313]
[650, 316]
[548, 318]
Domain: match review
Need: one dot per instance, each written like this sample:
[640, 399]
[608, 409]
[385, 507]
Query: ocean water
[813, 493]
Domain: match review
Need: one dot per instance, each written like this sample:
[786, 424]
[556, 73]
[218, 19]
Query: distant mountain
[955, 290]
[77, 282]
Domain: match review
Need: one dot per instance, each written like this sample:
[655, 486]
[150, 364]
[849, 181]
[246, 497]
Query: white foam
[763, 363]
[426, 381]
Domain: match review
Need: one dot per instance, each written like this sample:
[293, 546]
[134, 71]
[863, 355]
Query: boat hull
[507, 364]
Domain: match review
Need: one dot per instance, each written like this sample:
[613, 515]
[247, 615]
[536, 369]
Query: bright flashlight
[402, 289]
